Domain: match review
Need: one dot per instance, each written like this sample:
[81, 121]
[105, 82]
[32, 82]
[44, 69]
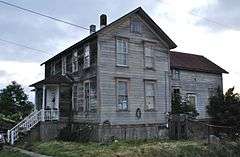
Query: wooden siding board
[204, 81]
[135, 72]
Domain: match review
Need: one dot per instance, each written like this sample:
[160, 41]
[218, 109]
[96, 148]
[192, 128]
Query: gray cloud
[220, 16]
[44, 34]
[3, 73]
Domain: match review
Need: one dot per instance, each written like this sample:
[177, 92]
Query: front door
[52, 98]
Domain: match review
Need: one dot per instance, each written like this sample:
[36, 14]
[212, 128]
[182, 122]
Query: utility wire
[43, 15]
[24, 46]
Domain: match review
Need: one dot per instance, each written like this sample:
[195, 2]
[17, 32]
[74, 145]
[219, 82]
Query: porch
[53, 96]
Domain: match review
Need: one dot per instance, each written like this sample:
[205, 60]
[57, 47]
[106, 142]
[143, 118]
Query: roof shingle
[192, 62]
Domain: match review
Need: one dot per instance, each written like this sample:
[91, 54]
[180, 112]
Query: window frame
[122, 53]
[151, 56]
[137, 24]
[75, 97]
[85, 66]
[194, 95]
[176, 74]
[64, 65]
[117, 95]
[75, 61]
[153, 82]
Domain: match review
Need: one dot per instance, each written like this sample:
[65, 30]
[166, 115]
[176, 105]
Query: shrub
[77, 132]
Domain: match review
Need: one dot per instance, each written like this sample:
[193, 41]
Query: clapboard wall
[200, 84]
[108, 72]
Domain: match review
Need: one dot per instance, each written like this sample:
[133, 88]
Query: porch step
[30, 121]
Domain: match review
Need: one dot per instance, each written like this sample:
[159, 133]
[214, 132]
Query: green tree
[180, 106]
[14, 102]
[225, 108]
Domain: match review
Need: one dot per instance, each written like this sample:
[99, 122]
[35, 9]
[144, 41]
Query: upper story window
[53, 68]
[149, 95]
[69, 63]
[86, 57]
[64, 65]
[136, 26]
[122, 52]
[122, 95]
[58, 67]
[75, 61]
[176, 74]
[149, 58]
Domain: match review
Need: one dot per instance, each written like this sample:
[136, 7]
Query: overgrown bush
[77, 132]
[180, 106]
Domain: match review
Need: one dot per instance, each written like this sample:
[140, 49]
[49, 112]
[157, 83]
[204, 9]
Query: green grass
[7, 153]
[136, 149]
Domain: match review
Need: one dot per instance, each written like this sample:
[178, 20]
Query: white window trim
[89, 64]
[145, 96]
[116, 86]
[126, 53]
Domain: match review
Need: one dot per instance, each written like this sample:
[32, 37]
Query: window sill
[122, 66]
[150, 110]
[153, 69]
[122, 111]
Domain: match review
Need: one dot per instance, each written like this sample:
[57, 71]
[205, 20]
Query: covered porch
[53, 96]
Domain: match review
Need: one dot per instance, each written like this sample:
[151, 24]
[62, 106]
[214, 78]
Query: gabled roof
[139, 11]
[55, 79]
[192, 62]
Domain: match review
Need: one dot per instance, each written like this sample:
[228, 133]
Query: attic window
[135, 26]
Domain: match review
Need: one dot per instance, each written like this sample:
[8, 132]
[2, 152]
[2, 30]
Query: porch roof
[56, 79]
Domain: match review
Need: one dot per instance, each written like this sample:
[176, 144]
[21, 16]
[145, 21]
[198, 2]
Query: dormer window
[136, 26]
[86, 57]
[75, 61]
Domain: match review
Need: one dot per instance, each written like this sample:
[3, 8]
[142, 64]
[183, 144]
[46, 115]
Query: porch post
[43, 102]
[35, 99]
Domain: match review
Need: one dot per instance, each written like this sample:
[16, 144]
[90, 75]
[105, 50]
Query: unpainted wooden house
[121, 76]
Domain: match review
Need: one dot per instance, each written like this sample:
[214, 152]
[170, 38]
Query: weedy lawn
[138, 148]
[8, 153]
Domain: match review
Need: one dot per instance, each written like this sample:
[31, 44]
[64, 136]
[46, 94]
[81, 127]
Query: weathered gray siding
[135, 72]
[200, 84]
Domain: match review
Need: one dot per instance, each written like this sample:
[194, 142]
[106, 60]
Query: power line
[24, 46]
[43, 15]
[204, 18]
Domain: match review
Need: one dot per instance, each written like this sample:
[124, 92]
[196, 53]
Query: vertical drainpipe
[43, 102]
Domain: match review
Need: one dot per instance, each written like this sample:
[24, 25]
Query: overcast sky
[205, 27]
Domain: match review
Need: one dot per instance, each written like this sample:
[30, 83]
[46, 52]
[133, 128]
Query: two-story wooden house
[119, 75]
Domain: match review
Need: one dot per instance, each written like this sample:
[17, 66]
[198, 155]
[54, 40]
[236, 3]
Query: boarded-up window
[149, 59]
[122, 95]
[86, 57]
[122, 52]
[149, 95]
[75, 61]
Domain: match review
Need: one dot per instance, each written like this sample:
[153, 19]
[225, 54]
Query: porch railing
[30, 121]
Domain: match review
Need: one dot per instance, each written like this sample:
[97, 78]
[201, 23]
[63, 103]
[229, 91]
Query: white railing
[30, 121]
